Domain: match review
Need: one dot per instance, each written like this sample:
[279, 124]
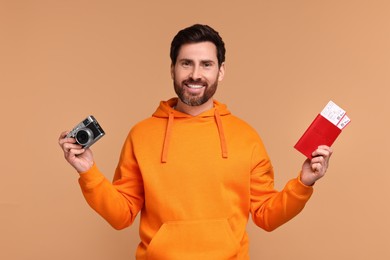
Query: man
[195, 171]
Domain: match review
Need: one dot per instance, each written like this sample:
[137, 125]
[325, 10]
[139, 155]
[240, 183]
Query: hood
[166, 110]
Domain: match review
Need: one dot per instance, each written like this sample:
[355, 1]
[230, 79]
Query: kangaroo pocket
[194, 240]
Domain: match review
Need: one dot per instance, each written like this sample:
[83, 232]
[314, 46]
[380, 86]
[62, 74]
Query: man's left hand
[315, 168]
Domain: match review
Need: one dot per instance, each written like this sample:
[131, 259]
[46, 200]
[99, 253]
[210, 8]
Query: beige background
[63, 60]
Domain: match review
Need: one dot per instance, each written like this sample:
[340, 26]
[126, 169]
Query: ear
[172, 71]
[221, 72]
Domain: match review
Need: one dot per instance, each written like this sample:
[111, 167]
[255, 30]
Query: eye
[207, 64]
[186, 63]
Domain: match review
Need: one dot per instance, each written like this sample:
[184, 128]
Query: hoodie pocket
[194, 240]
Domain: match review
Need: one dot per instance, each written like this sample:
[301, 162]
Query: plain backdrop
[63, 60]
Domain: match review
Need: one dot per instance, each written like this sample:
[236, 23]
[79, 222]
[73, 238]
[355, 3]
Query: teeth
[195, 86]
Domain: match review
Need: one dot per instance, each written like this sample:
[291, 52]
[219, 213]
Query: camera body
[87, 132]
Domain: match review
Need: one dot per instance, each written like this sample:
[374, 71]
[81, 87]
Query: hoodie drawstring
[221, 134]
[167, 138]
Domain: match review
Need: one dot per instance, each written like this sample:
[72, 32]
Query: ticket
[333, 113]
[343, 122]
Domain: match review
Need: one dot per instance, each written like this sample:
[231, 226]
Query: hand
[81, 159]
[314, 169]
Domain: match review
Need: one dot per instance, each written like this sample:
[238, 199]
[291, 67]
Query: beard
[191, 99]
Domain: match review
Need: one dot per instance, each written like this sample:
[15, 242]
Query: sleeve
[120, 201]
[271, 208]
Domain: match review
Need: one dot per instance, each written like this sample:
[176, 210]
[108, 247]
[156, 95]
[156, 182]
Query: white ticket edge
[333, 113]
[344, 122]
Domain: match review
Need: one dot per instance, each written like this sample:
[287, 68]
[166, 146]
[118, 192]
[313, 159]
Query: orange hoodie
[196, 180]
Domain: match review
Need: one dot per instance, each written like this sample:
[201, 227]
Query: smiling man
[196, 73]
[194, 171]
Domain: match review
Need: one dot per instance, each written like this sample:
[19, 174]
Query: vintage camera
[87, 132]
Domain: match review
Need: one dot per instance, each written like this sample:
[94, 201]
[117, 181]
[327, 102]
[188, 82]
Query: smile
[194, 86]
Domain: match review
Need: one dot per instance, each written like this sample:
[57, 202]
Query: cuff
[91, 178]
[300, 189]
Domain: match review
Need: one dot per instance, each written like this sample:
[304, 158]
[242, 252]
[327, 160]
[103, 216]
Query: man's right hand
[81, 159]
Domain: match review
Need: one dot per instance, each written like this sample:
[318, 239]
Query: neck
[194, 110]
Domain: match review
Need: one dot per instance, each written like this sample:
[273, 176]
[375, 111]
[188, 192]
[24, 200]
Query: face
[196, 73]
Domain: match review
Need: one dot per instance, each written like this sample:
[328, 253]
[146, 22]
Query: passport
[324, 129]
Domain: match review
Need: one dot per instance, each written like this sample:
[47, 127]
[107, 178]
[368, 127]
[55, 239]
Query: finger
[66, 147]
[62, 138]
[69, 140]
[318, 168]
[324, 151]
[71, 147]
[77, 151]
[65, 140]
[325, 147]
[315, 167]
[63, 134]
[318, 159]
[320, 152]
[72, 154]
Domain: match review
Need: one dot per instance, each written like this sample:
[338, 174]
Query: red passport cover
[320, 132]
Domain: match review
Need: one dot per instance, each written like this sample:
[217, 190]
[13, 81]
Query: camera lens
[84, 136]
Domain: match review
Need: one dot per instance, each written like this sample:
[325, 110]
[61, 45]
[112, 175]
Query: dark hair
[194, 34]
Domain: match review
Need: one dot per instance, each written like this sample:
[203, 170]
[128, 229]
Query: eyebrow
[208, 61]
[202, 61]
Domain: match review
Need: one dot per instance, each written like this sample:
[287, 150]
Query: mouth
[194, 85]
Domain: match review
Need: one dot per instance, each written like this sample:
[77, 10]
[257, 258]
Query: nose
[195, 73]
